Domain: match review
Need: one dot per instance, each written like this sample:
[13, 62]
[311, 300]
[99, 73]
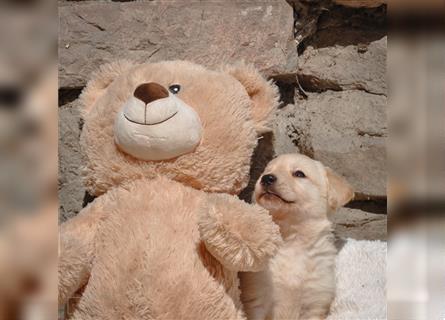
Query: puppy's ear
[100, 81]
[264, 94]
[340, 191]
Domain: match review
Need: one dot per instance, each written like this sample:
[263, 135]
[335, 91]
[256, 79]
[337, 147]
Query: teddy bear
[167, 148]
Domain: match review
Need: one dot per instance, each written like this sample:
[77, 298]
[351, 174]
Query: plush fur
[156, 243]
[299, 282]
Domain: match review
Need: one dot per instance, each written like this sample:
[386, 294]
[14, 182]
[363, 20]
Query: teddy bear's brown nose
[149, 92]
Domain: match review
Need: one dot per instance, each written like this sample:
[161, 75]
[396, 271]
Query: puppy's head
[294, 184]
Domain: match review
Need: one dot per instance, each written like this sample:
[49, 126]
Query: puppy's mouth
[274, 195]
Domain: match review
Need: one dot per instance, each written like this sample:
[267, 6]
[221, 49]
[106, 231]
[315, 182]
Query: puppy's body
[299, 282]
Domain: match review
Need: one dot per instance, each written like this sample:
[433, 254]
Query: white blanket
[361, 281]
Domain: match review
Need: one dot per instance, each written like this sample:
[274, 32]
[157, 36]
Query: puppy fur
[299, 282]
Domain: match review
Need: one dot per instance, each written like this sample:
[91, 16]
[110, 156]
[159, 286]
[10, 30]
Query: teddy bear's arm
[241, 236]
[77, 249]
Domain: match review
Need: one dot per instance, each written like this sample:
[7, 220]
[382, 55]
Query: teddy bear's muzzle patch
[154, 124]
[150, 104]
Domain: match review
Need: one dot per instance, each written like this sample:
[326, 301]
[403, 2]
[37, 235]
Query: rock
[71, 190]
[347, 3]
[210, 33]
[359, 225]
[291, 130]
[262, 155]
[322, 23]
[345, 130]
[361, 3]
[360, 67]
[344, 26]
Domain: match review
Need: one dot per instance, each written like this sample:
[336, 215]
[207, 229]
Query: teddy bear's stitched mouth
[151, 124]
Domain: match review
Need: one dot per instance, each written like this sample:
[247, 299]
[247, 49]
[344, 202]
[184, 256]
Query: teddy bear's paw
[241, 236]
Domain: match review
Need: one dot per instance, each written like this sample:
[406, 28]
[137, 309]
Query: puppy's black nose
[268, 179]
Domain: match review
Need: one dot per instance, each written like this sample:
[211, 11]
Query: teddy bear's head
[176, 119]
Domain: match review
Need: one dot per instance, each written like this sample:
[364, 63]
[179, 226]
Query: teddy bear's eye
[174, 88]
[299, 174]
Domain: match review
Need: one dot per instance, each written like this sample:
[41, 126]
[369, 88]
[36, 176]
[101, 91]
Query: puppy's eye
[174, 88]
[299, 174]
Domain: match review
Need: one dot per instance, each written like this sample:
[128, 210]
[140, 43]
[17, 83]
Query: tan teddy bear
[168, 146]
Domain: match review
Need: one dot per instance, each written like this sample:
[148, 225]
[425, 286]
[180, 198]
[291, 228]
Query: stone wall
[328, 59]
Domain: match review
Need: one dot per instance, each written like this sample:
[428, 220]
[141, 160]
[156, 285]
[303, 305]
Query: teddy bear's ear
[99, 82]
[264, 94]
[340, 191]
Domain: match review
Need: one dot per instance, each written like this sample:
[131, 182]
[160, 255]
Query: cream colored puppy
[299, 282]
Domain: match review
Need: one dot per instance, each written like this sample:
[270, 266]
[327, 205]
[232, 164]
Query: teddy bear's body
[156, 244]
[143, 268]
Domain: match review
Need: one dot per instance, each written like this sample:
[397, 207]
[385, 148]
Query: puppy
[299, 282]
